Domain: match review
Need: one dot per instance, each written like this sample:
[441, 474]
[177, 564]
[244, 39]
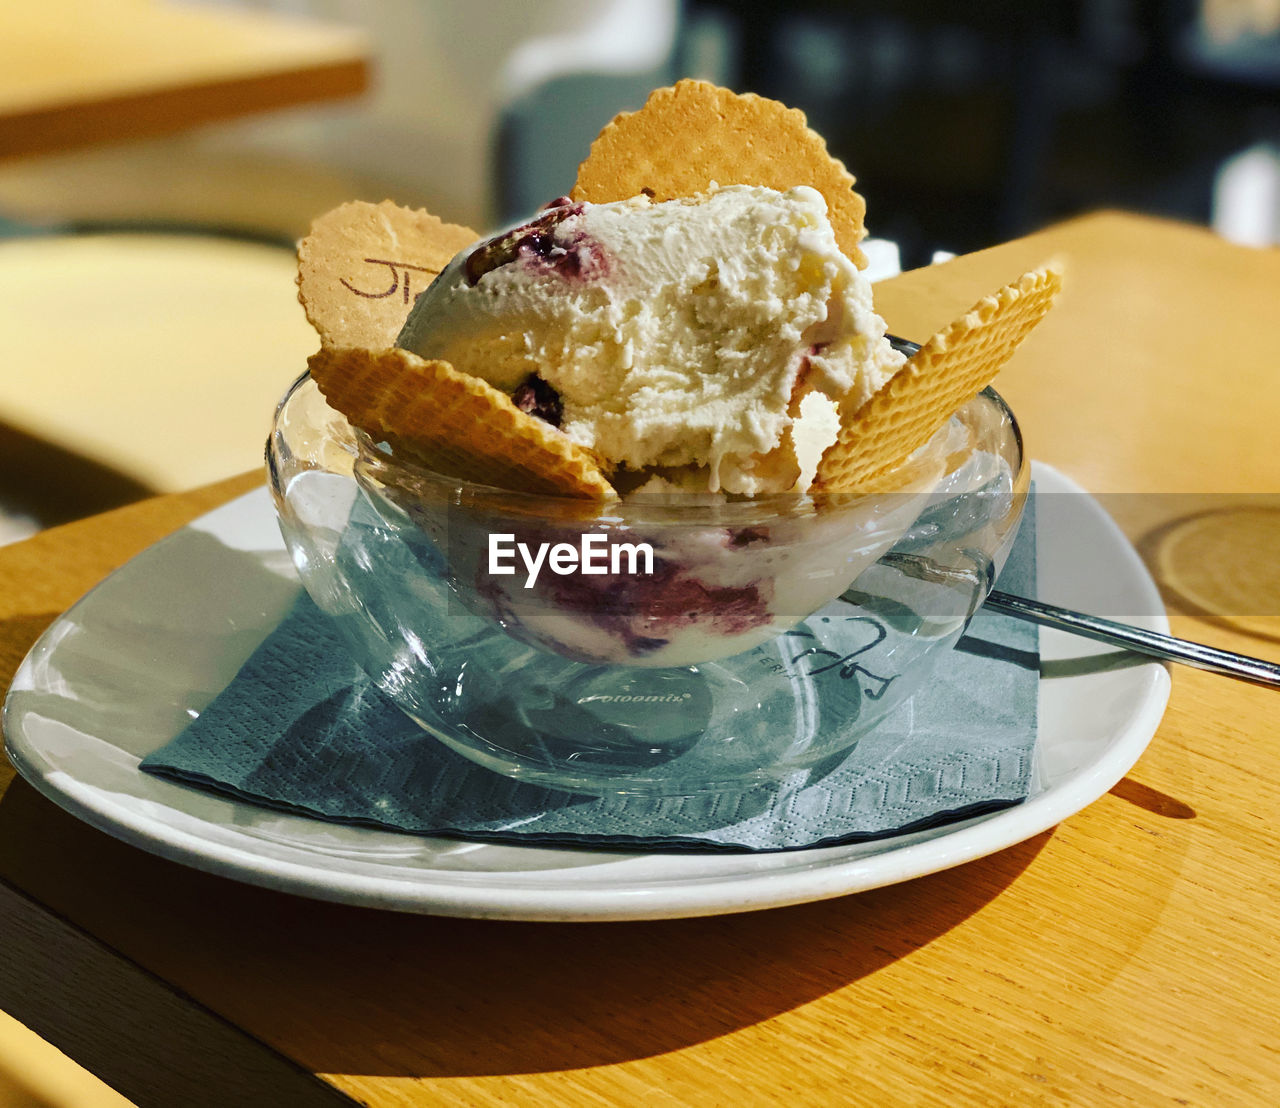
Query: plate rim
[824, 872]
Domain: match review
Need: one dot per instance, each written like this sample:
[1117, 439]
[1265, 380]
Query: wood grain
[1153, 368]
[1125, 958]
[62, 983]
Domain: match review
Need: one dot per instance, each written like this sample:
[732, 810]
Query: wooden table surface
[109, 333]
[77, 72]
[1128, 956]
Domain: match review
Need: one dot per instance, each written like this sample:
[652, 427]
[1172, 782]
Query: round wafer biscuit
[694, 134]
[951, 368]
[454, 423]
[362, 266]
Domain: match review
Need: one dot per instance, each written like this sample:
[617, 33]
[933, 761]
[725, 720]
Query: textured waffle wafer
[951, 368]
[454, 423]
[362, 265]
[693, 134]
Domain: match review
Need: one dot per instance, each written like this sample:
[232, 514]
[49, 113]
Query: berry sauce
[644, 611]
[538, 398]
[543, 246]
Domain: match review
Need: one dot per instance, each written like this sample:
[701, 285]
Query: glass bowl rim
[698, 509]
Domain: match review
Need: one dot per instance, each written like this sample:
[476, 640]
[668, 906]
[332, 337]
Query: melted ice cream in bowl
[669, 641]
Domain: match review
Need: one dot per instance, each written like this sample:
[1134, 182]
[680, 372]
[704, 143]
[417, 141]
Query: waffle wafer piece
[949, 370]
[454, 423]
[362, 266]
[693, 134]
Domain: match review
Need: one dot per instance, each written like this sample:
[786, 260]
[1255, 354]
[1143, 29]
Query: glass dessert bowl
[661, 644]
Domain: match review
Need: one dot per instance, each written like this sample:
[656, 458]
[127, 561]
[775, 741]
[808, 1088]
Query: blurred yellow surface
[160, 356]
[77, 72]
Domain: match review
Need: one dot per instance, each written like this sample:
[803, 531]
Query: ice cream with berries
[683, 353]
[701, 349]
[712, 340]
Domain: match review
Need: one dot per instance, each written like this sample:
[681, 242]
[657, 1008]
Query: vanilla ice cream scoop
[711, 340]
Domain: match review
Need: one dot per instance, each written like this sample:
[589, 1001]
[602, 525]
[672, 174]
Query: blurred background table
[1126, 957]
[108, 338]
[79, 72]
[140, 362]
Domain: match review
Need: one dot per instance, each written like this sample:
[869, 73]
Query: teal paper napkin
[301, 729]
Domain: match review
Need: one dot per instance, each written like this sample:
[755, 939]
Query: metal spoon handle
[1226, 662]
[1137, 638]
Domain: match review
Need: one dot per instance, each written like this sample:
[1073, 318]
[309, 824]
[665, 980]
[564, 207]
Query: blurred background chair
[557, 90]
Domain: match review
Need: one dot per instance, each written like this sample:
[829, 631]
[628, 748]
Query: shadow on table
[54, 485]
[1216, 561]
[355, 991]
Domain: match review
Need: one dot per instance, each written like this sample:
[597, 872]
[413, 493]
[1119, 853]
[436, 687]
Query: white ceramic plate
[123, 671]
